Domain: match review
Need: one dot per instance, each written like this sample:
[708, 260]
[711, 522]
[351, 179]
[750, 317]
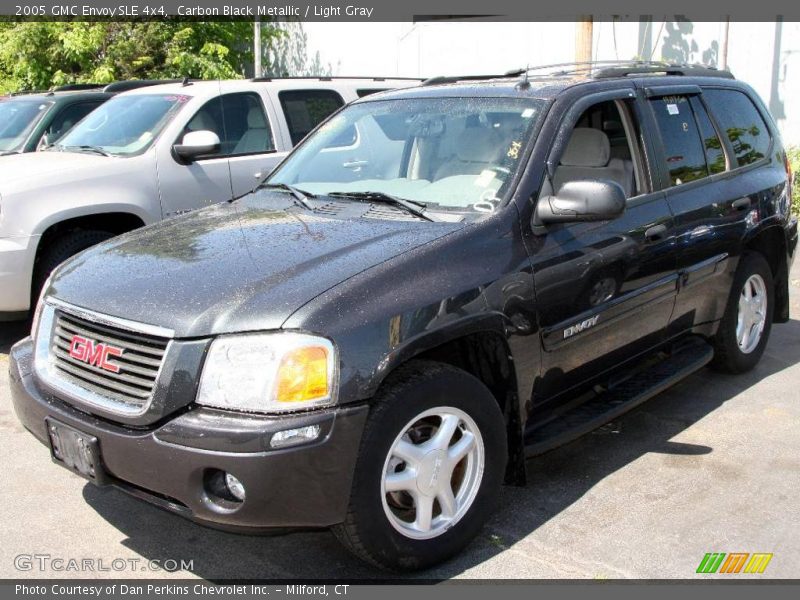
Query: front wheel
[745, 328]
[430, 467]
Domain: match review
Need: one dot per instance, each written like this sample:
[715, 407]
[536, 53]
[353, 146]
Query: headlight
[269, 372]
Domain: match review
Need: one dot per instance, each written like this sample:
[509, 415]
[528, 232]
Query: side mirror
[196, 144]
[582, 200]
[44, 142]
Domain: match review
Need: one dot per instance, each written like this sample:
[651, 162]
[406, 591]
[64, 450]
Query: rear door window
[683, 150]
[741, 123]
[305, 109]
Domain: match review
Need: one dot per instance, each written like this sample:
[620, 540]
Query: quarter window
[683, 150]
[305, 109]
[741, 122]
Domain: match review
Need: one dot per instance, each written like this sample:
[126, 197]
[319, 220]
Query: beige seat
[588, 156]
[256, 138]
[478, 148]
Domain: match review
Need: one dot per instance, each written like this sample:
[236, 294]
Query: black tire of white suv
[432, 428]
[62, 248]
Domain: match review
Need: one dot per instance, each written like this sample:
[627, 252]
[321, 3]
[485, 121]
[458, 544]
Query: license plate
[75, 450]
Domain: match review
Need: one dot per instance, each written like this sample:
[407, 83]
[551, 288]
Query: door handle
[355, 164]
[741, 204]
[654, 233]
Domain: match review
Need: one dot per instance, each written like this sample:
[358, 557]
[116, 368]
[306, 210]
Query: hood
[233, 267]
[30, 168]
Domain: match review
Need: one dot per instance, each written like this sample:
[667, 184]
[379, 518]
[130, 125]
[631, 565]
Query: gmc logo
[94, 353]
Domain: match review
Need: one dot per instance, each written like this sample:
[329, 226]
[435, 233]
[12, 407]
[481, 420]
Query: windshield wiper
[415, 208]
[300, 196]
[86, 148]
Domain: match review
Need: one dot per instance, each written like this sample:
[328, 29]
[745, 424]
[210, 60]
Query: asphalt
[711, 465]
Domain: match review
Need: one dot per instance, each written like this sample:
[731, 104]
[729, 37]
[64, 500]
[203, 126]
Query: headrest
[478, 144]
[587, 148]
[255, 118]
[201, 122]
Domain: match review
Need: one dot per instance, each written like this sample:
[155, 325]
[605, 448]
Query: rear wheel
[745, 328]
[60, 250]
[430, 467]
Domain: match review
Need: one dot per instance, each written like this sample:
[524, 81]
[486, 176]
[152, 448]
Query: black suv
[437, 284]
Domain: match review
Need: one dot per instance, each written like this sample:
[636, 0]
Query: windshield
[458, 153]
[125, 125]
[17, 119]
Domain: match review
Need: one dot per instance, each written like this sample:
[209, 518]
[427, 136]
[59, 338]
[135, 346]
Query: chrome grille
[139, 363]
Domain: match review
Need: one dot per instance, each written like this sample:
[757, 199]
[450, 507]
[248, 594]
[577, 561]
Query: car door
[604, 290]
[708, 140]
[187, 185]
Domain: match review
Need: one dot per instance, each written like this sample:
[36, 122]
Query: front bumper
[16, 268]
[305, 486]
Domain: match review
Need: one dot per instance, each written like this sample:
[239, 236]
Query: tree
[41, 54]
[286, 54]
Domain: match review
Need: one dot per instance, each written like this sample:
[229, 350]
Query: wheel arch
[770, 242]
[480, 348]
[116, 222]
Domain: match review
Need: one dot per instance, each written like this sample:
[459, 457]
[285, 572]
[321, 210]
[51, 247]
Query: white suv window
[240, 122]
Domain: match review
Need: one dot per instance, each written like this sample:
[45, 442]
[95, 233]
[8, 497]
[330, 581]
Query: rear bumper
[304, 486]
[16, 267]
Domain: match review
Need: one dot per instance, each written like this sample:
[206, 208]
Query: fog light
[235, 487]
[293, 437]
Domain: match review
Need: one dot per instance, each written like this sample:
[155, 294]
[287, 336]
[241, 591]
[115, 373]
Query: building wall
[765, 54]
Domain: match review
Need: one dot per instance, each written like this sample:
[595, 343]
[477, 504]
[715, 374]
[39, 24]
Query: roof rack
[597, 69]
[442, 79]
[650, 67]
[132, 84]
[75, 87]
[334, 78]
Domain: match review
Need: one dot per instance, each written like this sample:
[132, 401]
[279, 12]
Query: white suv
[152, 153]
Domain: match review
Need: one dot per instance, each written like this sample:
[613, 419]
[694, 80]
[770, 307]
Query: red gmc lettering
[94, 353]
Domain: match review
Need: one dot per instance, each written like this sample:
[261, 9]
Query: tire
[378, 527]
[732, 352]
[61, 249]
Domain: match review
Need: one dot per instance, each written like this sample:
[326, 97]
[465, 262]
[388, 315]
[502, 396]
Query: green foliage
[793, 152]
[41, 54]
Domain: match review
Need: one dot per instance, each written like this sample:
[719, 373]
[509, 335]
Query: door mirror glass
[582, 200]
[196, 144]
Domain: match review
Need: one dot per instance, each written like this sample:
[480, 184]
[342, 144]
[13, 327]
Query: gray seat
[256, 138]
[478, 148]
[588, 156]
[202, 121]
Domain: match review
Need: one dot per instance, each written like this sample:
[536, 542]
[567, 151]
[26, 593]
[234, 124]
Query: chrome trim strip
[75, 394]
[89, 315]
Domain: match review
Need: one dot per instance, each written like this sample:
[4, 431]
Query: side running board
[619, 399]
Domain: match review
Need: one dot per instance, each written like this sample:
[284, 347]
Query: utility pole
[723, 63]
[583, 39]
[257, 48]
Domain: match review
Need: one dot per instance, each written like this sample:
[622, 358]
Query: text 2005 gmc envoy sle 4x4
[515, 261]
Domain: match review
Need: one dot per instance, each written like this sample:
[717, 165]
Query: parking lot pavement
[712, 465]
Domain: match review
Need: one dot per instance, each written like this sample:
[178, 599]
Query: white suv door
[185, 185]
